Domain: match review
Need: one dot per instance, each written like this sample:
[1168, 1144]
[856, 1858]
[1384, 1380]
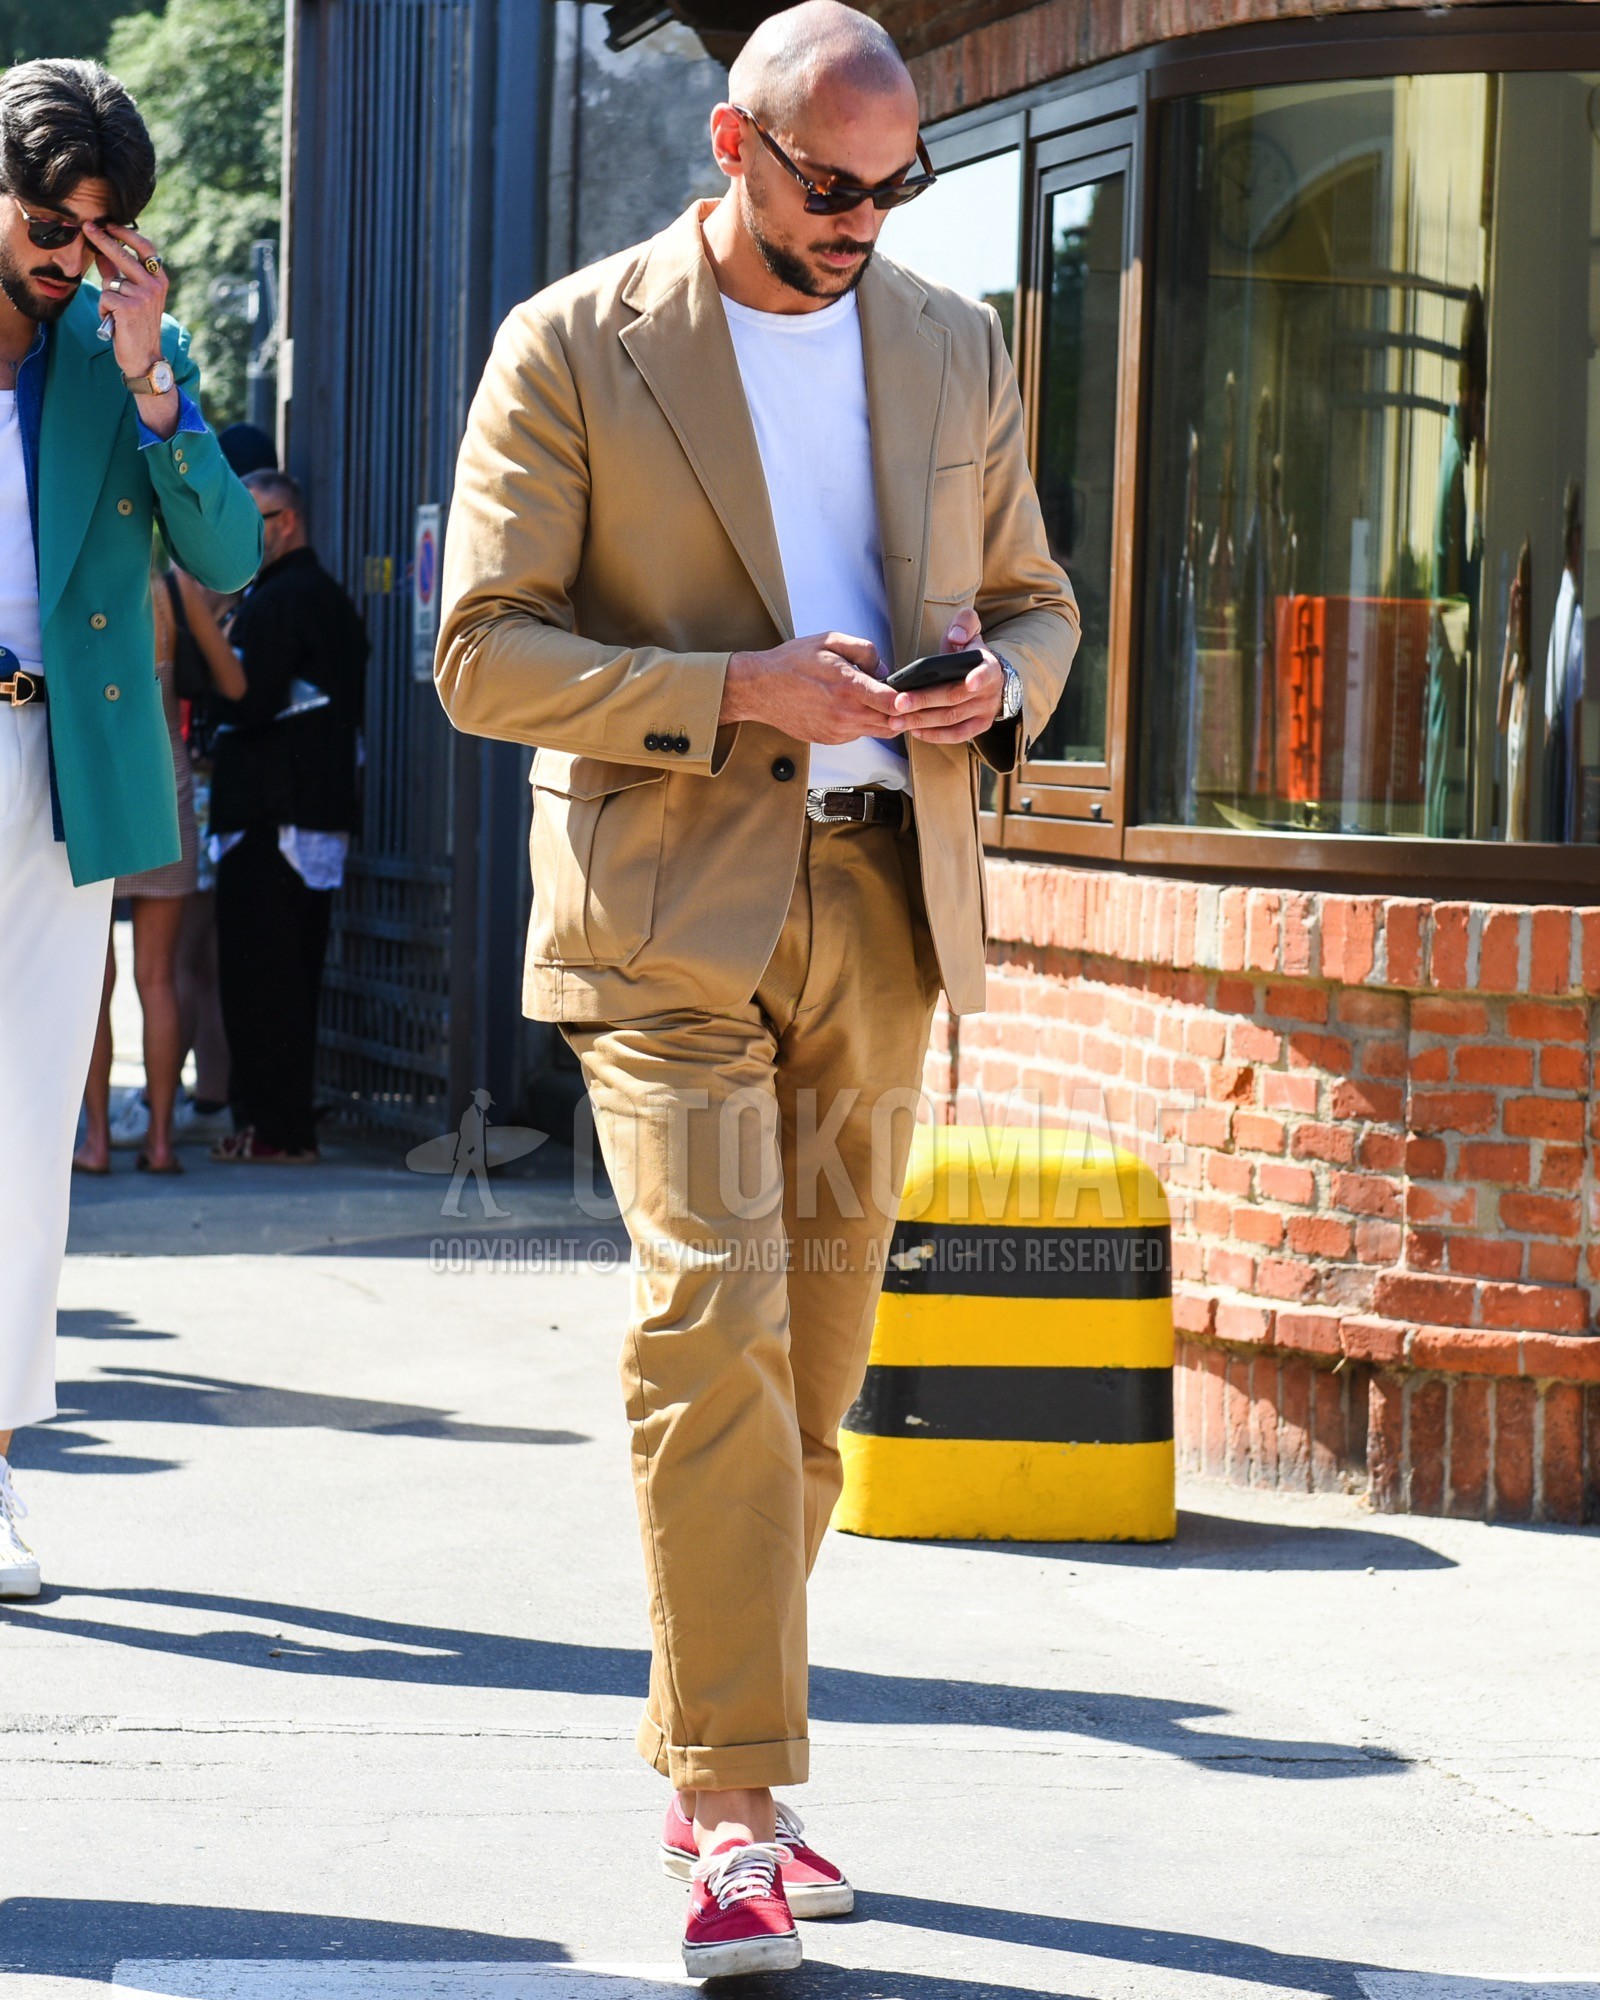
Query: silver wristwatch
[1011, 699]
[156, 383]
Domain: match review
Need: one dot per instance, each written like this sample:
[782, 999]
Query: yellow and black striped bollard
[1020, 1380]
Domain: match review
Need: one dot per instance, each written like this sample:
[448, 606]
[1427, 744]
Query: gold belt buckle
[21, 688]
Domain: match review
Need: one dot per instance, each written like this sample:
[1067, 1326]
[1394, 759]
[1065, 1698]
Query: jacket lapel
[84, 400]
[681, 346]
[907, 364]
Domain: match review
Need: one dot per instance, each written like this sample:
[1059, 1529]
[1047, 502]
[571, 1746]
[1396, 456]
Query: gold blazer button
[98, 621]
[113, 692]
[124, 508]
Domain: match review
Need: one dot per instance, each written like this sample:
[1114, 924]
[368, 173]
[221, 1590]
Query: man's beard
[793, 271]
[14, 283]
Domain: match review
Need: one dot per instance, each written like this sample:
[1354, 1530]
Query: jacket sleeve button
[124, 508]
[98, 621]
[113, 692]
[681, 744]
[782, 768]
[652, 741]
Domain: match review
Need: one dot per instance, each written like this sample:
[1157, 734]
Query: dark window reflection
[1077, 440]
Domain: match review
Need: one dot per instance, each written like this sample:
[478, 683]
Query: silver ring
[113, 284]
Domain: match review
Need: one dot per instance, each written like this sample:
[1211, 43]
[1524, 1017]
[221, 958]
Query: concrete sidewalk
[333, 1686]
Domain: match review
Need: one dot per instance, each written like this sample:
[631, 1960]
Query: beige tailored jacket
[610, 545]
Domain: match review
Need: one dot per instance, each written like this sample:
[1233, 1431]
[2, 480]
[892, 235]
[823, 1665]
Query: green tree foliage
[30, 28]
[208, 77]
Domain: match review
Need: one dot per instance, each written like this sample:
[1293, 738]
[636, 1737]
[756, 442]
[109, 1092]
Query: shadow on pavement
[302, 1640]
[1225, 1541]
[65, 1937]
[51, 1447]
[1176, 1951]
[93, 1323]
[1183, 1951]
[68, 1935]
[173, 1396]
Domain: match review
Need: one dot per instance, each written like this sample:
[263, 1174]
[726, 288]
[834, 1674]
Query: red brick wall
[1374, 1120]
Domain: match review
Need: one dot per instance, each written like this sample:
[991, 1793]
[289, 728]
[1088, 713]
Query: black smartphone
[934, 670]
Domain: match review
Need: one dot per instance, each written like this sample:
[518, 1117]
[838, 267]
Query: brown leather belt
[22, 688]
[885, 805]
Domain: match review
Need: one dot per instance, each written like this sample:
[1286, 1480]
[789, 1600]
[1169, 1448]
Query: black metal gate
[414, 220]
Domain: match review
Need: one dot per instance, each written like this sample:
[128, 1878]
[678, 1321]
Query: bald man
[713, 491]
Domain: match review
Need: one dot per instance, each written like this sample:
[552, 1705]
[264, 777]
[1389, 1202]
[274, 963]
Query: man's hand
[133, 298]
[821, 689]
[960, 709]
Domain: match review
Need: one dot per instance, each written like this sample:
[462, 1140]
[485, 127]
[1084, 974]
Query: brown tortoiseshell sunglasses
[839, 197]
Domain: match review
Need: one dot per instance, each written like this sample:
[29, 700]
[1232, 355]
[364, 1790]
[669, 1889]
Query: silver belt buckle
[870, 814]
[814, 807]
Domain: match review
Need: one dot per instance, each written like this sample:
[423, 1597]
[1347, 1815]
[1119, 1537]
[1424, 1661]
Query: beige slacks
[758, 1158]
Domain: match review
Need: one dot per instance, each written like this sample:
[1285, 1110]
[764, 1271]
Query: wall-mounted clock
[1256, 187]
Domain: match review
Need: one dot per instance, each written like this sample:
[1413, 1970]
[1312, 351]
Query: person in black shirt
[284, 802]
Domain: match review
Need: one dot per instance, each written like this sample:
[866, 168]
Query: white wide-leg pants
[52, 966]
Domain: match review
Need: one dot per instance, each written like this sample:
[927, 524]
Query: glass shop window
[965, 232]
[1077, 438]
[1374, 443]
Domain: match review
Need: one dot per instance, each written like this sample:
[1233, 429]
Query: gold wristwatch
[156, 383]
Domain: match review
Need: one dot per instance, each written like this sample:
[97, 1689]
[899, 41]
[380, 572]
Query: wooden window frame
[1046, 809]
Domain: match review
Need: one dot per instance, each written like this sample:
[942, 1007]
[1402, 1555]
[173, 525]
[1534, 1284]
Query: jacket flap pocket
[587, 777]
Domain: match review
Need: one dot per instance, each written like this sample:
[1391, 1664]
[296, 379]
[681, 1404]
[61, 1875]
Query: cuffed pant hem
[702, 1767]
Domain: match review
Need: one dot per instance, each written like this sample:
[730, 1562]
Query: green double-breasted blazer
[99, 496]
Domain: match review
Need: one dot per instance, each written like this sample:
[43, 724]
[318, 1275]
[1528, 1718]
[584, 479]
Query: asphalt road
[332, 1688]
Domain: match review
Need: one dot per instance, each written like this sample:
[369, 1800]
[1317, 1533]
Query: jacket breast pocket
[594, 855]
[955, 536]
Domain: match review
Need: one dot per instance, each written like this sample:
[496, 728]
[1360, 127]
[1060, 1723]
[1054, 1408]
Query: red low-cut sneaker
[812, 1886]
[739, 1920]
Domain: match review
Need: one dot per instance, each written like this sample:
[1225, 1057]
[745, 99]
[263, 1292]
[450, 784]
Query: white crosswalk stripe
[380, 1979]
[1459, 1986]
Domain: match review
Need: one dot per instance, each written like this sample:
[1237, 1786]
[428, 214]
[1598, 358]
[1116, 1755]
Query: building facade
[1299, 890]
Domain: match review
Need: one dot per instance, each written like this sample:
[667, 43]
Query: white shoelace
[738, 1873]
[791, 1828]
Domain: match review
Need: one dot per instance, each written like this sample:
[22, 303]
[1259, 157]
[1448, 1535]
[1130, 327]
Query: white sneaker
[19, 1566]
[131, 1126]
[190, 1124]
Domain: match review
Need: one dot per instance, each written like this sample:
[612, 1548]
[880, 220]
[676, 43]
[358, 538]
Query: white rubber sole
[729, 1961]
[20, 1580]
[835, 1899]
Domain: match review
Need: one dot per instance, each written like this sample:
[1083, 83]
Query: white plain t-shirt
[19, 569]
[806, 385]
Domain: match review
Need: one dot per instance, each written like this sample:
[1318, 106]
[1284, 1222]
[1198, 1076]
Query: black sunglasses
[839, 197]
[48, 232]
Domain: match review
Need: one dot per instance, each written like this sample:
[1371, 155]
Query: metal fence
[434, 148]
[413, 221]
